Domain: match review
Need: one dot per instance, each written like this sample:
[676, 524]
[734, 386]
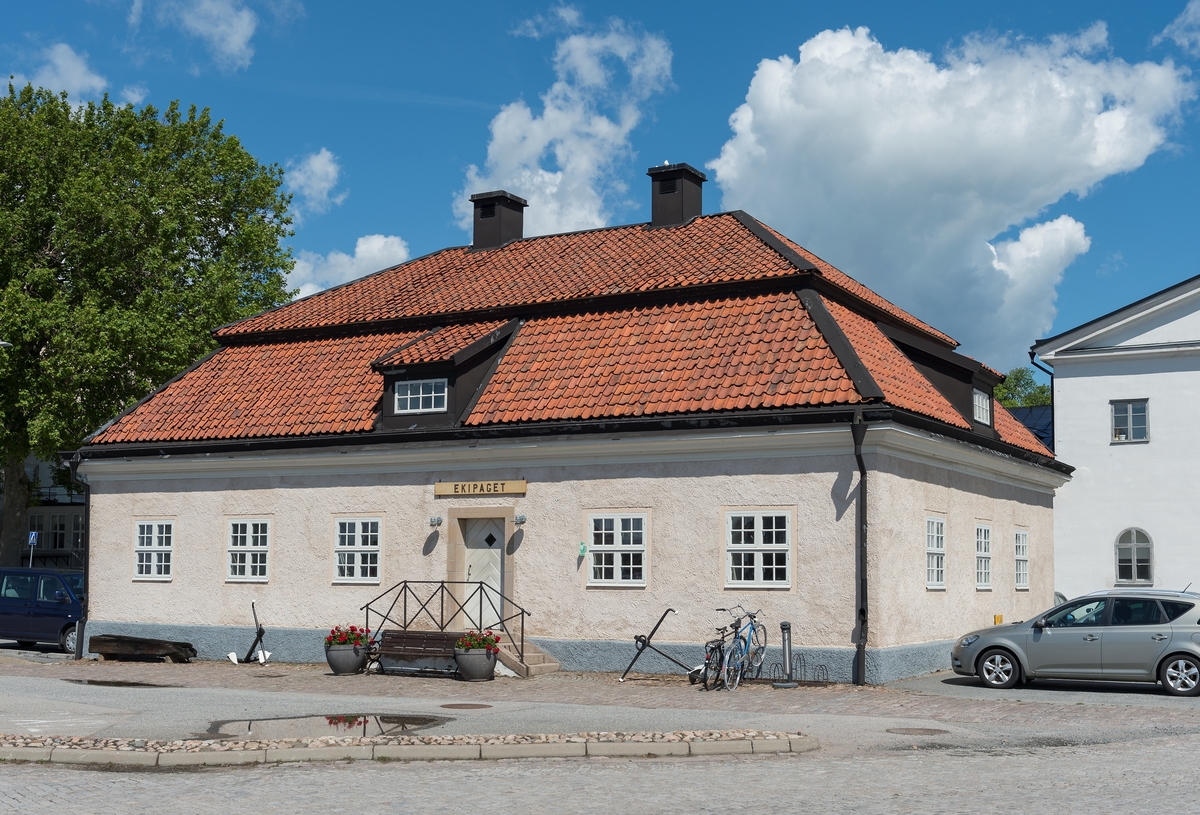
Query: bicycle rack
[642, 643]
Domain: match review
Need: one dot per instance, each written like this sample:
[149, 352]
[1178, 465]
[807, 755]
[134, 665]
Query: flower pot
[475, 664]
[346, 659]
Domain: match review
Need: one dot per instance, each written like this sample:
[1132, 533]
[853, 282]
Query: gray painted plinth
[609, 656]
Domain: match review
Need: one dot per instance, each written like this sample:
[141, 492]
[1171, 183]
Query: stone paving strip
[212, 752]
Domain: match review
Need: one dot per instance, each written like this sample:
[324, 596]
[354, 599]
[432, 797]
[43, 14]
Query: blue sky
[1004, 172]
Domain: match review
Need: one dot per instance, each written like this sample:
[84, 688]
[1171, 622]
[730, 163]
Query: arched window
[1134, 557]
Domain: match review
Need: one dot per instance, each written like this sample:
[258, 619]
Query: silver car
[1118, 635]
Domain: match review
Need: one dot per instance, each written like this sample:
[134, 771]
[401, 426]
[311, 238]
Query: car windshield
[1083, 612]
[74, 583]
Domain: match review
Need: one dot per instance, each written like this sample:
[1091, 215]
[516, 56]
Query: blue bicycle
[747, 648]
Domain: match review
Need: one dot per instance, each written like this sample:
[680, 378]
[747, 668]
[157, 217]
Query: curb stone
[411, 752]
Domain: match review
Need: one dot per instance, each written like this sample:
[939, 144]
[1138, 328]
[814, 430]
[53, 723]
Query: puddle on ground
[116, 683]
[465, 706]
[916, 731]
[348, 724]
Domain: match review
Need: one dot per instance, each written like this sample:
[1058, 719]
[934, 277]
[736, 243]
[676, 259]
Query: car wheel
[1180, 675]
[998, 669]
[66, 640]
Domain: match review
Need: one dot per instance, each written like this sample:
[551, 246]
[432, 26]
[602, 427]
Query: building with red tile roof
[697, 398]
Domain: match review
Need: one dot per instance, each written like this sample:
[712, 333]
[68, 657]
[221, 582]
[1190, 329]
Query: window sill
[935, 588]
[1022, 588]
[757, 587]
[246, 579]
[616, 585]
[347, 582]
[1119, 442]
[152, 579]
[983, 588]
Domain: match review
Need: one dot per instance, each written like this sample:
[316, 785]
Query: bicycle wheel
[713, 664]
[734, 664]
[758, 645]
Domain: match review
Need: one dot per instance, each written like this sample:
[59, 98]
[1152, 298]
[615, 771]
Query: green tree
[1019, 389]
[126, 236]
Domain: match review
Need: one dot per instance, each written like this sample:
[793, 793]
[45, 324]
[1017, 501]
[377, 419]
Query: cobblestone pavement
[1056, 746]
[1140, 776]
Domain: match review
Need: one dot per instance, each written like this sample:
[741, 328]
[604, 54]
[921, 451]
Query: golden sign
[469, 488]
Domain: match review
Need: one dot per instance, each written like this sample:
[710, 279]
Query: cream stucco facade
[683, 483]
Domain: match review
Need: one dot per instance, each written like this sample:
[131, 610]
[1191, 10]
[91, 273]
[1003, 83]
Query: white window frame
[983, 556]
[153, 550]
[935, 553]
[617, 541]
[1133, 545]
[981, 405]
[248, 550]
[737, 548]
[357, 546]
[1021, 559]
[1125, 406]
[438, 392]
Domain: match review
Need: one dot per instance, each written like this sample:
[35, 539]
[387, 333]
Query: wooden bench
[112, 646]
[401, 651]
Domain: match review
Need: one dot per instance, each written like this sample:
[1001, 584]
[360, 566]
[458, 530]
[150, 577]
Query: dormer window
[983, 407]
[421, 396]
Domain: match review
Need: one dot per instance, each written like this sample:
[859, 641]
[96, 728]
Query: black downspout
[1050, 372]
[80, 648]
[858, 431]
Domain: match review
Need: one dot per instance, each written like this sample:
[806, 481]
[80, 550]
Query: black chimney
[499, 218]
[675, 195]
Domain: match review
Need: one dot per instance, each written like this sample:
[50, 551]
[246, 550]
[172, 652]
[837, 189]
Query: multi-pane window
[983, 557]
[249, 544]
[356, 550]
[618, 550]
[1133, 557]
[152, 548]
[757, 549]
[58, 531]
[421, 396]
[77, 531]
[1129, 421]
[1021, 552]
[935, 553]
[982, 404]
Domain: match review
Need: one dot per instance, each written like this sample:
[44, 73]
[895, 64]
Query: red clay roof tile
[440, 344]
[741, 353]
[1015, 433]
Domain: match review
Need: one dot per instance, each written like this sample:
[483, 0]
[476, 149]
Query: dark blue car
[40, 605]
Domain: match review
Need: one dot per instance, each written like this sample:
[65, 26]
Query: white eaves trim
[827, 440]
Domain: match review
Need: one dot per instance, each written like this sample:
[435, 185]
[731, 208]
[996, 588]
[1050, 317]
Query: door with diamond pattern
[484, 538]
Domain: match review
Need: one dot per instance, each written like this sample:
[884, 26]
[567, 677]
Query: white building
[1125, 419]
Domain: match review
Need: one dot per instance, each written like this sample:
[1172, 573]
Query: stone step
[536, 663]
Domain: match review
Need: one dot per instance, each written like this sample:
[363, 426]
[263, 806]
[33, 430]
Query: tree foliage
[1020, 389]
[126, 236]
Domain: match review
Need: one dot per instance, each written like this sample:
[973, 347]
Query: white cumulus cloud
[313, 179]
[1184, 30]
[562, 158]
[907, 172]
[134, 94]
[313, 272]
[64, 69]
[226, 27]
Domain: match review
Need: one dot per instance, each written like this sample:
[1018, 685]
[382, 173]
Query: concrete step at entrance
[537, 661]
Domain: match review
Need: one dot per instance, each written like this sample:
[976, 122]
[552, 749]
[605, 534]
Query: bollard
[785, 631]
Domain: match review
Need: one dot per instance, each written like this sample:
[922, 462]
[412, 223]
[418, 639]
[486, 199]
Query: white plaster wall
[685, 502]
[685, 490]
[1117, 486]
[902, 494]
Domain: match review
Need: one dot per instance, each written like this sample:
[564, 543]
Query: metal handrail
[483, 592]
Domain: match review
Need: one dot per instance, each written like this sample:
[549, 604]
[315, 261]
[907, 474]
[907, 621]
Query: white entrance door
[485, 562]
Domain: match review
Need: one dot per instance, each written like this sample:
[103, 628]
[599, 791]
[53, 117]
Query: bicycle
[748, 647]
[714, 658]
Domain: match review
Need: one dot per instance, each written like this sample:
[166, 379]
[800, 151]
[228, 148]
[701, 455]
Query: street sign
[33, 538]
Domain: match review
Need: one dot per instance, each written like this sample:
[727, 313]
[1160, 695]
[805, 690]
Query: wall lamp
[519, 519]
[435, 521]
